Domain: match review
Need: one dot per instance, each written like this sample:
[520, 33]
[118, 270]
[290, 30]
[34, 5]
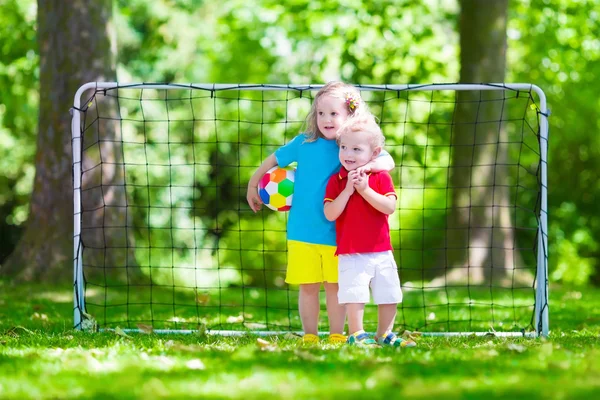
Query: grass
[457, 308]
[41, 357]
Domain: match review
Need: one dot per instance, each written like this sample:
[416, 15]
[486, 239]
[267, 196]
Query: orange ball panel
[278, 175]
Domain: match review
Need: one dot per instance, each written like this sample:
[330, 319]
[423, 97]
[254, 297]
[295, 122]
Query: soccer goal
[164, 238]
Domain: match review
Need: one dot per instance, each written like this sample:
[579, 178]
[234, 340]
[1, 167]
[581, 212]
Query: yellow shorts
[311, 263]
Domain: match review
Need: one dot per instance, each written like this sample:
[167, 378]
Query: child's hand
[365, 168]
[253, 198]
[350, 183]
[361, 182]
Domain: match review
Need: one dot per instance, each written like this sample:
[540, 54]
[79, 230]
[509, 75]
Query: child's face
[331, 114]
[355, 150]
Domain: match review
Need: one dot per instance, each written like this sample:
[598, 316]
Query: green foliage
[574, 265]
[263, 41]
[554, 44]
[304, 41]
[189, 154]
[18, 116]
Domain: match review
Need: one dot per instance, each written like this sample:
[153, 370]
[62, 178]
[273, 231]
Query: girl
[311, 237]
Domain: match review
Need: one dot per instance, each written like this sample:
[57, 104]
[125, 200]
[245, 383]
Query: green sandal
[391, 340]
[361, 339]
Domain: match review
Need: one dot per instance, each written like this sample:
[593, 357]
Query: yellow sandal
[337, 338]
[309, 338]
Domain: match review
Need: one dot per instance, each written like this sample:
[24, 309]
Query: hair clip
[351, 101]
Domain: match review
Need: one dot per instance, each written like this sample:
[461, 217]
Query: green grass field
[458, 308]
[41, 357]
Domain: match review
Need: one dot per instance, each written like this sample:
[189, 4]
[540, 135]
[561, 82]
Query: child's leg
[335, 311]
[386, 290]
[354, 278]
[357, 335]
[309, 307]
[385, 325]
[356, 312]
[386, 316]
[387, 294]
[304, 269]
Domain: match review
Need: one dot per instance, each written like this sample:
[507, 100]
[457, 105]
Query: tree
[480, 240]
[74, 47]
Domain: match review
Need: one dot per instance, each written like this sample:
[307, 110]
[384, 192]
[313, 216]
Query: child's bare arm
[333, 209]
[383, 163]
[252, 196]
[382, 203]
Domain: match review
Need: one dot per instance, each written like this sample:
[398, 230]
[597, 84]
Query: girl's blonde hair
[348, 93]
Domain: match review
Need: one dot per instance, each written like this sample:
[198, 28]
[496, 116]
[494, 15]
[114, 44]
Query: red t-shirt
[361, 228]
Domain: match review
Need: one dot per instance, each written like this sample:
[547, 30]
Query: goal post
[163, 237]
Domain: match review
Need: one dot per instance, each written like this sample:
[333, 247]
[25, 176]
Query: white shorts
[358, 272]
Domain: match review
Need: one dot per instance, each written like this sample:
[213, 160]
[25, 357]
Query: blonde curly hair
[349, 93]
[366, 125]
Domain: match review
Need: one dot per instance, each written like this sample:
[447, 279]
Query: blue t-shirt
[317, 161]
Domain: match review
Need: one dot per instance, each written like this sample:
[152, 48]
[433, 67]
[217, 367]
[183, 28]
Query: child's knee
[331, 287]
[310, 289]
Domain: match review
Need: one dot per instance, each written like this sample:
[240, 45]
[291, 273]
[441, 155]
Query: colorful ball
[276, 188]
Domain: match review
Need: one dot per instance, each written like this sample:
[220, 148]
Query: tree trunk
[480, 239]
[75, 47]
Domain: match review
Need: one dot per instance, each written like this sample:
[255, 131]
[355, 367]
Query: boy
[360, 203]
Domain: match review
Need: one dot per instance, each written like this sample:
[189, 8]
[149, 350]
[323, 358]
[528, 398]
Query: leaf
[265, 345]
[14, 331]
[195, 364]
[88, 323]
[235, 320]
[147, 329]
[493, 353]
[202, 329]
[42, 317]
[305, 355]
[86, 315]
[202, 298]
[121, 332]
[256, 326]
[411, 335]
[291, 336]
[489, 343]
[262, 343]
[178, 346]
[519, 348]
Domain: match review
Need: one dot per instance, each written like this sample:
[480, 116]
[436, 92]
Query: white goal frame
[541, 320]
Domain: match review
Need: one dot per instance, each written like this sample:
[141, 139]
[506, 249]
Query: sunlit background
[553, 44]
